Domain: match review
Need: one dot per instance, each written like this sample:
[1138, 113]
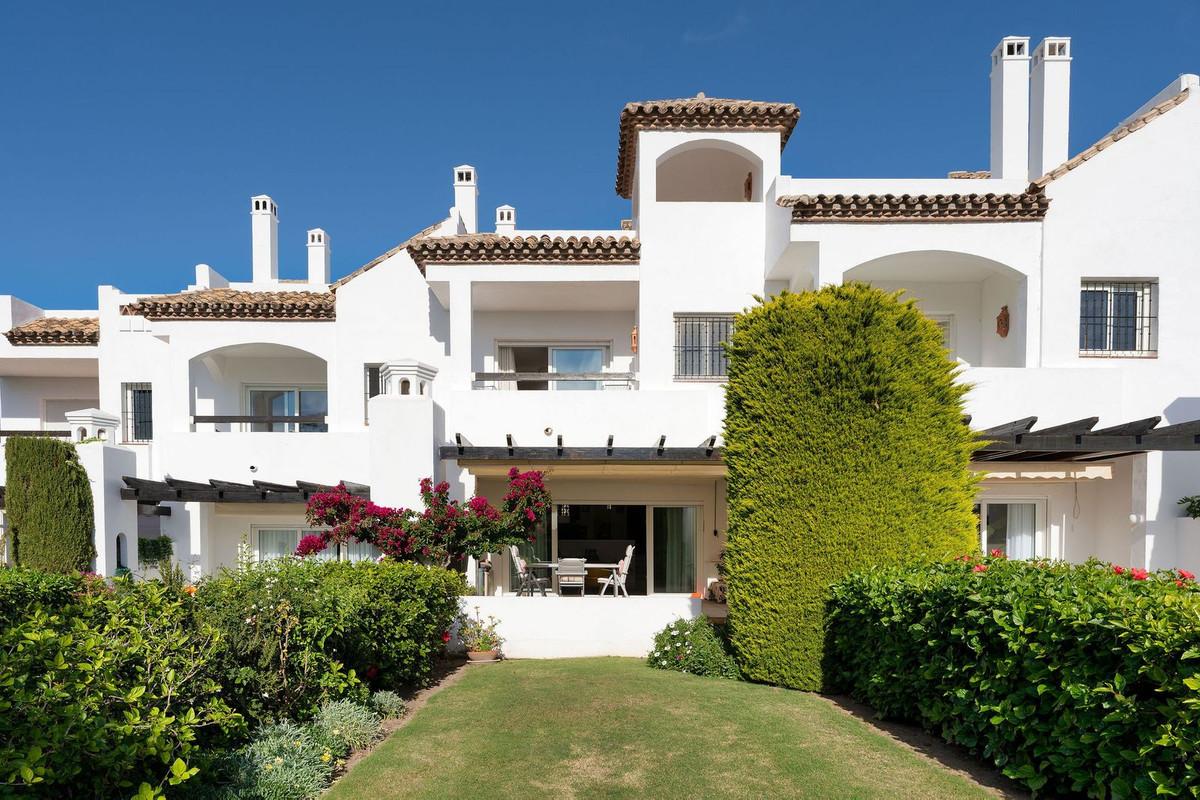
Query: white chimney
[1010, 108]
[465, 196]
[506, 220]
[264, 240]
[1049, 105]
[318, 257]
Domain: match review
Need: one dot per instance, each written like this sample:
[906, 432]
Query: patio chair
[528, 581]
[617, 579]
[572, 574]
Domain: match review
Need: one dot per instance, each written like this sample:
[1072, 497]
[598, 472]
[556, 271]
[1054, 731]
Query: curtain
[277, 543]
[674, 550]
[1022, 529]
[506, 362]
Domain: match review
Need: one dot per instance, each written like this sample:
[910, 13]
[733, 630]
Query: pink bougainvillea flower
[1187, 576]
[310, 544]
[1138, 574]
[979, 568]
[445, 636]
[1118, 569]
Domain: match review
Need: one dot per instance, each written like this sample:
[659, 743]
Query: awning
[218, 491]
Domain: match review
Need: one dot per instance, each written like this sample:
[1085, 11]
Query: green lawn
[614, 728]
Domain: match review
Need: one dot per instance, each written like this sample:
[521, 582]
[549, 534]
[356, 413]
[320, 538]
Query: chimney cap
[263, 204]
[464, 175]
[1053, 48]
[317, 237]
[1011, 48]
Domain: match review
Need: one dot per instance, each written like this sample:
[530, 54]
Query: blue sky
[132, 136]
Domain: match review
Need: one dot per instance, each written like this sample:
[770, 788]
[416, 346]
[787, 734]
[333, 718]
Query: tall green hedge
[846, 447]
[48, 502]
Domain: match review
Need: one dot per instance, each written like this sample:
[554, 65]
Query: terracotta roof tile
[696, 113]
[1117, 135]
[235, 304]
[1029, 205]
[385, 256]
[74, 331]
[487, 248]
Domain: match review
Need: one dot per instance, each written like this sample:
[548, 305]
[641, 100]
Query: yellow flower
[279, 759]
[325, 757]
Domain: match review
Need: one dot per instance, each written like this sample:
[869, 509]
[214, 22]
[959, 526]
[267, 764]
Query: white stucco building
[1063, 283]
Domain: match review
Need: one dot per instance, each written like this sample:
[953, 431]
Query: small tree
[445, 533]
[48, 502]
[846, 446]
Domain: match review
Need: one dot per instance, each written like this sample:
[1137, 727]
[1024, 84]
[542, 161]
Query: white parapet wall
[576, 627]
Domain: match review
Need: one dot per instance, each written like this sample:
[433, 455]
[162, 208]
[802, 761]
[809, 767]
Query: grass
[614, 728]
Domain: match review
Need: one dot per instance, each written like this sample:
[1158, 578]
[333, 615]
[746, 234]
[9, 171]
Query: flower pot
[483, 655]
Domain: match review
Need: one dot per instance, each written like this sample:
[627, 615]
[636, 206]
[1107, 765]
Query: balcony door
[287, 401]
[550, 359]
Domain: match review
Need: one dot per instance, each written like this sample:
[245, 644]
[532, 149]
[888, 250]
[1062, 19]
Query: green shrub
[846, 446]
[281, 762]
[387, 704]
[297, 633]
[344, 726]
[103, 693]
[155, 551]
[48, 505]
[695, 647]
[23, 589]
[397, 615]
[1072, 679]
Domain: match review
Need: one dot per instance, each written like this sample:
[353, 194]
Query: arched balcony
[979, 303]
[708, 171]
[260, 388]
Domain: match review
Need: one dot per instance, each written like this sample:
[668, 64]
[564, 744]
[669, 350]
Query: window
[699, 340]
[945, 323]
[571, 359]
[137, 412]
[280, 542]
[1011, 527]
[372, 386]
[288, 401]
[1118, 318]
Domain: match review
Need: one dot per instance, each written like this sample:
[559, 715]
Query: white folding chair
[528, 581]
[572, 574]
[617, 579]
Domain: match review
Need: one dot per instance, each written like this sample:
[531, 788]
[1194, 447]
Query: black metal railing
[305, 423]
[699, 345]
[1118, 318]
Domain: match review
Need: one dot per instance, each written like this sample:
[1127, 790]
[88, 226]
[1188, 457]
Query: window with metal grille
[137, 412]
[1118, 318]
[372, 385]
[699, 353]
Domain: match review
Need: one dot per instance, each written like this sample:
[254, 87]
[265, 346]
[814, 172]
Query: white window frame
[367, 367]
[1041, 537]
[946, 323]
[603, 345]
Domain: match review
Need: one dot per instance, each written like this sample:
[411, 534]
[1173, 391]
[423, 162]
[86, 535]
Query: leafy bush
[344, 726]
[48, 505]
[845, 447]
[478, 636]
[155, 551]
[298, 633]
[1191, 506]
[1072, 679]
[22, 589]
[107, 691]
[695, 647]
[388, 705]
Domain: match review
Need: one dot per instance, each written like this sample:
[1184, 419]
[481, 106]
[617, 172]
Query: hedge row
[846, 447]
[48, 504]
[1074, 679]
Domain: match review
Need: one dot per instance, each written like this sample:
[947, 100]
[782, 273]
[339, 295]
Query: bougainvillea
[445, 532]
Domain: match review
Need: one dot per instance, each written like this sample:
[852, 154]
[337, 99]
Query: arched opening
[122, 558]
[708, 171]
[405, 386]
[80, 434]
[259, 387]
[978, 303]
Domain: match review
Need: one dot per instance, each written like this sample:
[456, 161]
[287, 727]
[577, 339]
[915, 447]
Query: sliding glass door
[287, 402]
[674, 549]
[1010, 527]
[576, 359]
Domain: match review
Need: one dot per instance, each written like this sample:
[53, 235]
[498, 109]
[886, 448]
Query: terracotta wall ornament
[1002, 322]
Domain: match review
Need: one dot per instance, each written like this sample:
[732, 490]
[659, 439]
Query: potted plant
[479, 637]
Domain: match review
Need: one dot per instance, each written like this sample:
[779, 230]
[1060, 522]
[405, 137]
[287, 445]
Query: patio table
[553, 565]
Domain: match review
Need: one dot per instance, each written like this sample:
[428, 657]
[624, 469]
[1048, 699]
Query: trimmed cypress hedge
[1073, 679]
[48, 502]
[846, 446]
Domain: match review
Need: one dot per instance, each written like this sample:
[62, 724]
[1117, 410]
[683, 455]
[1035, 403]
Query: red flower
[445, 636]
[1118, 569]
[979, 568]
[1187, 576]
[310, 544]
[1138, 574]
[1180, 584]
[997, 553]
[372, 672]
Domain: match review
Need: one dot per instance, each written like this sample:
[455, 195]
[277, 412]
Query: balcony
[555, 381]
